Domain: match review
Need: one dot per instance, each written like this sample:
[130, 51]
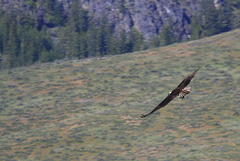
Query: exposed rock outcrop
[147, 16]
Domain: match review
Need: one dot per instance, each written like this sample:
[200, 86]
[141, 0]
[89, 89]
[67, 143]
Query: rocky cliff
[147, 16]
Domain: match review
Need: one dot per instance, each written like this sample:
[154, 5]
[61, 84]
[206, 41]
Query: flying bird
[182, 90]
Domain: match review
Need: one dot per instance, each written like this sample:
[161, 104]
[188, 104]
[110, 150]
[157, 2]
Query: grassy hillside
[89, 110]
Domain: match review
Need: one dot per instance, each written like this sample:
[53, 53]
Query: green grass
[89, 110]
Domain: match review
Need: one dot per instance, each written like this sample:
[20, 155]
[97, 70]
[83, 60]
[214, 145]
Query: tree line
[211, 20]
[25, 40]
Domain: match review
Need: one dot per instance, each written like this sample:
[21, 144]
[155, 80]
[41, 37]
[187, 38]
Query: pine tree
[225, 17]
[135, 40]
[27, 21]
[73, 47]
[83, 46]
[30, 51]
[12, 48]
[235, 4]
[210, 18]
[59, 14]
[1, 41]
[123, 42]
[196, 27]
[78, 18]
[1, 33]
[46, 46]
[166, 36]
[91, 41]
[100, 42]
[103, 38]
[75, 35]
[155, 42]
[115, 45]
[83, 20]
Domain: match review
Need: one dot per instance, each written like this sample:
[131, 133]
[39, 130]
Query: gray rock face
[147, 16]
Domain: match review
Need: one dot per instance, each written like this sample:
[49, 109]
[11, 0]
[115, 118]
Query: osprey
[180, 91]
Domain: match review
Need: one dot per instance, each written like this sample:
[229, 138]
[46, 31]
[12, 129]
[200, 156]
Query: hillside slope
[89, 110]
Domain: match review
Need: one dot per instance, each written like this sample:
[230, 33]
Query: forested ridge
[25, 38]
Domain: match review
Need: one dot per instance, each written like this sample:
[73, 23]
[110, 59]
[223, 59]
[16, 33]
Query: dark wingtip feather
[196, 71]
[199, 68]
[142, 116]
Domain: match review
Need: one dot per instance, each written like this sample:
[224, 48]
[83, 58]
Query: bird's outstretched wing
[187, 80]
[174, 93]
[168, 99]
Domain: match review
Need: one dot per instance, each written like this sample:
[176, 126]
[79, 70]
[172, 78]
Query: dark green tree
[155, 42]
[135, 40]
[75, 34]
[225, 17]
[210, 18]
[166, 36]
[78, 18]
[83, 46]
[196, 23]
[12, 46]
[46, 46]
[74, 17]
[123, 43]
[103, 37]
[1, 32]
[59, 16]
[30, 48]
[1, 41]
[91, 41]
